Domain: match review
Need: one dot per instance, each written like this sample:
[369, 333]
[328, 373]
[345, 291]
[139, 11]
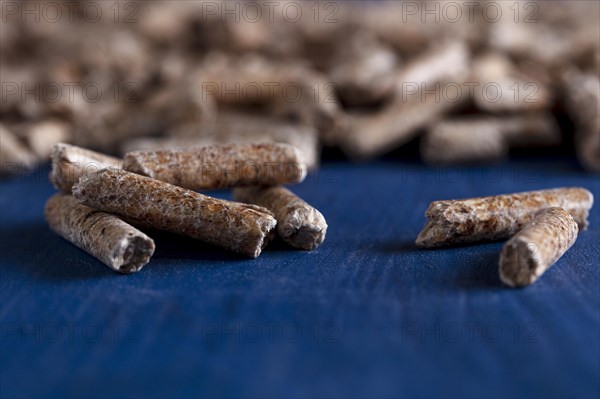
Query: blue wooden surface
[367, 314]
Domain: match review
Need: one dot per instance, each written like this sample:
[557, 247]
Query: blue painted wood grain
[365, 315]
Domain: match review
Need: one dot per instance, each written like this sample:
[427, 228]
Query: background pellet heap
[365, 78]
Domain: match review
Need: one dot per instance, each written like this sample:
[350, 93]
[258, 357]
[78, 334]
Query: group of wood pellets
[542, 226]
[197, 95]
[104, 197]
[465, 81]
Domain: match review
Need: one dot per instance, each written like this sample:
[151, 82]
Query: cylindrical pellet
[70, 162]
[118, 245]
[528, 129]
[457, 142]
[583, 101]
[15, 157]
[448, 61]
[504, 88]
[370, 134]
[220, 166]
[153, 203]
[497, 217]
[487, 139]
[236, 127]
[299, 224]
[44, 135]
[533, 250]
[363, 69]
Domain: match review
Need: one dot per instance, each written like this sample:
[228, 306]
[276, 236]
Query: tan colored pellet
[583, 101]
[234, 127]
[497, 217]
[538, 129]
[70, 162]
[533, 250]
[237, 127]
[523, 130]
[220, 166]
[451, 142]
[152, 203]
[503, 88]
[179, 108]
[282, 88]
[370, 134]
[42, 136]
[118, 245]
[560, 35]
[15, 157]
[364, 70]
[487, 139]
[446, 62]
[298, 224]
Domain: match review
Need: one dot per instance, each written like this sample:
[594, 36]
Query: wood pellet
[460, 142]
[15, 157]
[367, 135]
[298, 224]
[502, 87]
[236, 128]
[364, 70]
[70, 162]
[221, 166]
[121, 247]
[42, 136]
[534, 249]
[446, 62]
[497, 217]
[583, 100]
[152, 203]
[487, 139]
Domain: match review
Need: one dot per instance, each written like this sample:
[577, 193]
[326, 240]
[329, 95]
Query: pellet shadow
[483, 271]
[37, 251]
[170, 246]
[398, 247]
[173, 246]
[278, 245]
[480, 273]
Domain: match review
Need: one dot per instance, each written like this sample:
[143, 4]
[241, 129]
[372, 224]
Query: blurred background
[444, 82]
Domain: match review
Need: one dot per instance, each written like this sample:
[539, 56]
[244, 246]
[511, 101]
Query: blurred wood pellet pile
[474, 79]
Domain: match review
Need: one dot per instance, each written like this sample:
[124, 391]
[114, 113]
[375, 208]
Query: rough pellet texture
[531, 252]
[498, 217]
[152, 203]
[220, 166]
[457, 142]
[70, 162]
[236, 127]
[299, 224]
[120, 246]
